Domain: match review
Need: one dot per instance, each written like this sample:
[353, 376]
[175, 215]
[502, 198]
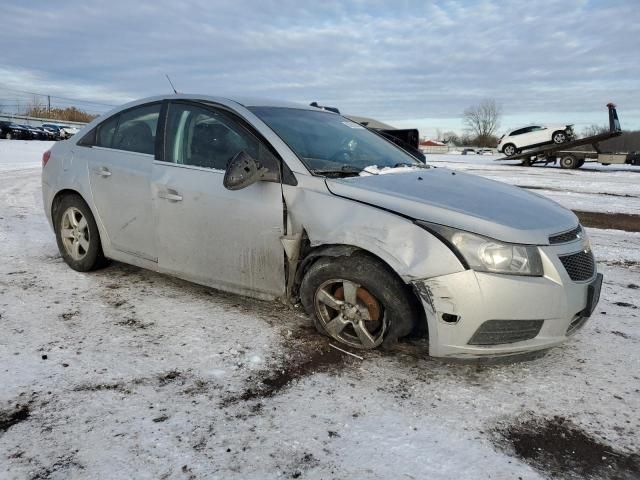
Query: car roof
[240, 100]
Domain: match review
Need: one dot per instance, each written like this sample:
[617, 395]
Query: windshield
[329, 143]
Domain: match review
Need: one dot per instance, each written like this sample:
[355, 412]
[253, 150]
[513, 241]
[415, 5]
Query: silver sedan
[277, 200]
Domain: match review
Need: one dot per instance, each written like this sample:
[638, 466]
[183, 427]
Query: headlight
[485, 254]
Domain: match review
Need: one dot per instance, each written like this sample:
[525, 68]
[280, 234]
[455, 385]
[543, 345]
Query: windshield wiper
[345, 170]
[416, 165]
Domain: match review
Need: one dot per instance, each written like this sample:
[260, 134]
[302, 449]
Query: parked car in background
[68, 132]
[279, 200]
[532, 136]
[46, 133]
[36, 133]
[21, 133]
[59, 135]
[11, 131]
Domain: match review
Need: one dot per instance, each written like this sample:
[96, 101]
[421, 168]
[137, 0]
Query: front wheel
[559, 137]
[357, 301]
[77, 234]
[8, 136]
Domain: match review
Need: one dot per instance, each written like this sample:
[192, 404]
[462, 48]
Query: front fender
[412, 252]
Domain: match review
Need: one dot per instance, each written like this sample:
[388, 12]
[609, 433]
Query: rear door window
[105, 131]
[136, 130]
[133, 130]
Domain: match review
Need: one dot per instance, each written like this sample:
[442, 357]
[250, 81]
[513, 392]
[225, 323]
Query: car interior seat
[135, 137]
[210, 146]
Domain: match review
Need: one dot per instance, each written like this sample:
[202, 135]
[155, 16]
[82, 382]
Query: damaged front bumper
[474, 314]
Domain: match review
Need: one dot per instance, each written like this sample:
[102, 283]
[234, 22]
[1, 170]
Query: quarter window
[209, 138]
[105, 131]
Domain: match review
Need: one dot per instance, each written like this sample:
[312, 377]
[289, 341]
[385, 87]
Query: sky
[409, 63]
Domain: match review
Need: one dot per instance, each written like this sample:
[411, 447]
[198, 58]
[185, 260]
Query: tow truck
[570, 158]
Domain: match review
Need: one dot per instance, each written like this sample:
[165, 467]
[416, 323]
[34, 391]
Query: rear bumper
[548, 309]
[47, 200]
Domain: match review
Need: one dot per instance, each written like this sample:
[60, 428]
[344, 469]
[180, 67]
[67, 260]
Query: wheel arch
[55, 202]
[57, 198]
[310, 254]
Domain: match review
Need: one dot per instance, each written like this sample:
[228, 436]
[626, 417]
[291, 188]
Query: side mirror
[242, 170]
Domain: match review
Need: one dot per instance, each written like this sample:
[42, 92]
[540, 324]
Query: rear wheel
[569, 161]
[357, 301]
[559, 137]
[77, 234]
[509, 149]
[8, 136]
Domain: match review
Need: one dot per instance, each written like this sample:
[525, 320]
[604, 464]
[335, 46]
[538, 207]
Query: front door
[120, 165]
[206, 233]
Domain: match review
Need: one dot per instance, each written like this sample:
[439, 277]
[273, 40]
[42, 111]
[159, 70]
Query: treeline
[468, 140]
[629, 141]
[70, 114]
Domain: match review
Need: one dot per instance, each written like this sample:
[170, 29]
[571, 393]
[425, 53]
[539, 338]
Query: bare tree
[483, 120]
[594, 130]
[450, 138]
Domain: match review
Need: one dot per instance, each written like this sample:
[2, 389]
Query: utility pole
[49, 105]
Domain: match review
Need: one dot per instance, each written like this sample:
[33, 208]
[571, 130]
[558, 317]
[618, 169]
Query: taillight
[45, 158]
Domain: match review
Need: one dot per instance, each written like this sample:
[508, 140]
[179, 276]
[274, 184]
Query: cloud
[407, 60]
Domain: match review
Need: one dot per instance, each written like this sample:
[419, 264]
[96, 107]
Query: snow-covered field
[123, 373]
[593, 188]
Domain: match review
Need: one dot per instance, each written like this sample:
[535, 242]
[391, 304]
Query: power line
[55, 96]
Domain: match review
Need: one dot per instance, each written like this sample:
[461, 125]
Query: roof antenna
[171, 83]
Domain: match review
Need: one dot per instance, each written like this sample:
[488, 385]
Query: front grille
[580, 266]
[566, 237]
[497, 332]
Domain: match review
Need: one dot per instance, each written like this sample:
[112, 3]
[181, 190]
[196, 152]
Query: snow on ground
[593, 188]
[18, 154]
[124, 373]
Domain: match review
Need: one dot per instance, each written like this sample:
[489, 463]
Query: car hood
[463, 201]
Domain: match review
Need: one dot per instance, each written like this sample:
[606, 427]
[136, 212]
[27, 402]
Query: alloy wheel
[509, 150]
[350, 313]
[559, 137]
[74, 231]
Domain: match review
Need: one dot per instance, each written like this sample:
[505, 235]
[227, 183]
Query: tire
[8, 136]
[79, 240]
[569, 161]
[559, 137]
[509, 149]
[383, 311]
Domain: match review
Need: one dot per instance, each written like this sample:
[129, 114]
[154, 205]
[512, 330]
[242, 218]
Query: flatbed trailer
[576, 158]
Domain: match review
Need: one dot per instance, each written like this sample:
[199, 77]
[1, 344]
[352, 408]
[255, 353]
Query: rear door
[120, 161]
[206, 233]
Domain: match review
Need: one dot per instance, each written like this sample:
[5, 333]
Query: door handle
[170, 195]
[103, 172]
